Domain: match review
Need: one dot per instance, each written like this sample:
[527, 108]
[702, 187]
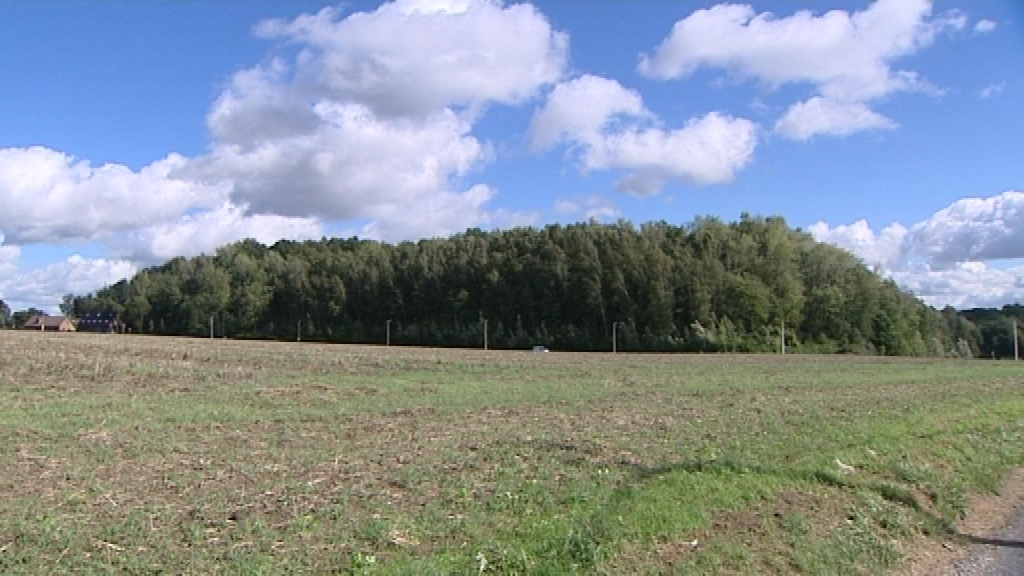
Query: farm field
[160, 455]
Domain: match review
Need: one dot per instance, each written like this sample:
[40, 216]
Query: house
[105, 322]
[49, 323]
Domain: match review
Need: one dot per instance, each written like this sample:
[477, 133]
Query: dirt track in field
[987, 529]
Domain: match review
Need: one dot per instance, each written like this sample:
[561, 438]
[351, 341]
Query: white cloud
[583, 110]
[204, 232]
[373, 118]
[948, 258]
[44, 287]
[566, 207]
[820, 115]
[589, 208]
[845, 57]
[610, 129]
[965, 285]
[8, 257]
[444, 215]
[706, 150]
[440, 214]
[48, 196]
[984, 25]
[416, 57]
[992, 90]
[351, 163]
[265, 93]
[504, 218]
[972, 229]
[882, 249]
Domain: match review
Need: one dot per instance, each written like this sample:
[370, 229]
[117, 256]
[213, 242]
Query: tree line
[995, 330]
[706, 286]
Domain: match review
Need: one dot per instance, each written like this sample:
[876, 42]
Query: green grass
[148, 455]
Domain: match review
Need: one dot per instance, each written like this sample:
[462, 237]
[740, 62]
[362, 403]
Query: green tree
[250, 287]
[136, 310]
[19, 318]
[67, 305]
[884, 334]
[5, 314]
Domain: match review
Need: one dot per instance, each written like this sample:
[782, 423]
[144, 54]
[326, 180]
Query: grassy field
[146, 455]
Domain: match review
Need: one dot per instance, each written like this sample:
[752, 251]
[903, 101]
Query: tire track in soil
[989, 541]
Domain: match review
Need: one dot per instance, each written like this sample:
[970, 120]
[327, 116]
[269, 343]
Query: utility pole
[485, 333]
[387, 338]
[783, 337]
[1016, 345]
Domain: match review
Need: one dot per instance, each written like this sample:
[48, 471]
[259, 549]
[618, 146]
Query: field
[157, 455]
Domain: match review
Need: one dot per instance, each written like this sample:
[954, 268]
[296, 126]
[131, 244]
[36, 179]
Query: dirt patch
[987, 515]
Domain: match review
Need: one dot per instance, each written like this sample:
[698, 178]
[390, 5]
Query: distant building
[49, 323]
[105, 322]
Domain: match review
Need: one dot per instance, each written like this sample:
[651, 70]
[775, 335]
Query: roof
[102, 321]
[99, 318]
[46, 321]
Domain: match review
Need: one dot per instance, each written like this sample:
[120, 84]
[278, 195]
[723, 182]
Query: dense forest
[707, 286]
[995, 329]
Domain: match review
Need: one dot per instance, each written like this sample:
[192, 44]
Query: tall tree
[67, 305]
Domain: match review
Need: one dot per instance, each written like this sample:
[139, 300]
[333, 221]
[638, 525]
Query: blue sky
[134, 132]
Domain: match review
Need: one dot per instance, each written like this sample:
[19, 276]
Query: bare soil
[987, 515]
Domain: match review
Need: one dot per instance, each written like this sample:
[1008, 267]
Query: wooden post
[783, 337]
[1017, 350]
[387, 339]
[485, 334]
[615, 344]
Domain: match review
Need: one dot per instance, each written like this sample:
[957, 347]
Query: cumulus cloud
[706, 150]
[845, 57]
[820, 115]
[350, 163]
[415, 57]
[373, 119]
[204, 232]
[882, 249]
[950, 258]
[609, 128]
[440, 214]
[49, 196]
[965, 285]
[44, 287]
[972, 230]
[583, 110]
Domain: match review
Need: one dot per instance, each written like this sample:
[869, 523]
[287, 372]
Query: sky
[134, 132]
